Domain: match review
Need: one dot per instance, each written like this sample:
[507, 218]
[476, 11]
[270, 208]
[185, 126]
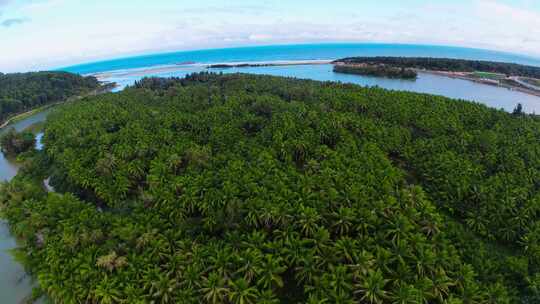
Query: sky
[44, 34]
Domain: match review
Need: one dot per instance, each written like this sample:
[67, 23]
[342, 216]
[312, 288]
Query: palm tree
[345, 247]
[267, 297]
[404, 294]
[364, 262]
[164, 289]
[315, 299]
[214, 289]
[307, 268]
[221, 261]
[339, 280]
[107, 261]
[441, 284]
[251, 260]
[241, 292]
[308, 220]
[106, 293]
[269, 275]
[497, 294]
[398, 227]
[372, 289]
[344, 219]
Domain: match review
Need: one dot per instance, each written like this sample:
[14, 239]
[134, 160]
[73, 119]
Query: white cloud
[483, 23]
[260, 37]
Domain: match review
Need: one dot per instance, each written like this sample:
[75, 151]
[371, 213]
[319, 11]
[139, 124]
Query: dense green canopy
[377, 70]
[20, 92]
[258, 189]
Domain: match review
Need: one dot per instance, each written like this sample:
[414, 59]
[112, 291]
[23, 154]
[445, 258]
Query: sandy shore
[465, 76]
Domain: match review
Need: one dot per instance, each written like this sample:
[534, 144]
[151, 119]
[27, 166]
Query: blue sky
[40, 34]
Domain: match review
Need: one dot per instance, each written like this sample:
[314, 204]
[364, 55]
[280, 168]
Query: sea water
[329, 51]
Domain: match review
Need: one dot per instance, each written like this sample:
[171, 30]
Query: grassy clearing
[487, 75]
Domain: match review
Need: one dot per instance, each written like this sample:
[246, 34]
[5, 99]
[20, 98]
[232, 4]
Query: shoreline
[24, 115]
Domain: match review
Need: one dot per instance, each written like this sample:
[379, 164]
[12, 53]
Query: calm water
[15, 285]
[299, 52]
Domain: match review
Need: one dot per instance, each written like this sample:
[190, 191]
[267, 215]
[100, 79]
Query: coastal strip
[193, 67]
[466, 76]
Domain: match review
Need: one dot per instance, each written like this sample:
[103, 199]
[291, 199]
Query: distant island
[240, 65]
[510, 75]
[449, 65]
[266, 64]
[379, 70]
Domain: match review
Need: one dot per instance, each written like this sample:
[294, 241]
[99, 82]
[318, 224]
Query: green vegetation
[487, 75]
[241, 65]
[451, 65]
[518, 110]
[257, 189]
[21, 92]
[379, 70]
[14, 143]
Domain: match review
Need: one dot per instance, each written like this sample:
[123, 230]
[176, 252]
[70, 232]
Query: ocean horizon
[296, 52]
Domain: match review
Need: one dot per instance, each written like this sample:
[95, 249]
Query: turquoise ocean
[298, 52]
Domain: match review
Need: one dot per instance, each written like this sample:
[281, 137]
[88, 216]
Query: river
[15, 284]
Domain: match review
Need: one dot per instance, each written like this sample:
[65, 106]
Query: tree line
[377, 70]
[450, 65]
